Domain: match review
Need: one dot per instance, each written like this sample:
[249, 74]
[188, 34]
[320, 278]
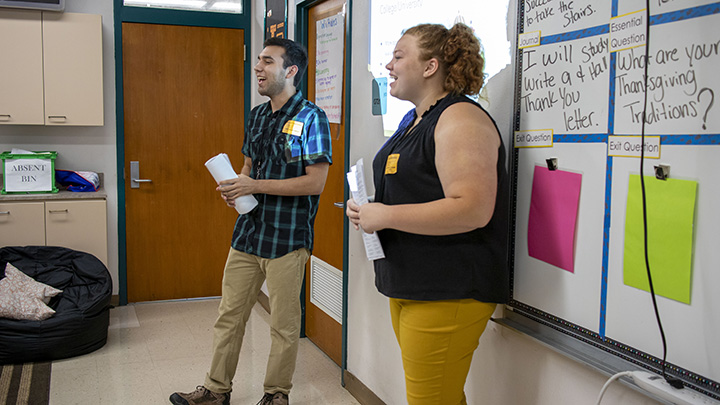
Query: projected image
[389, 18]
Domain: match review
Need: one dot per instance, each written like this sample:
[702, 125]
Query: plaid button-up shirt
[281, 145]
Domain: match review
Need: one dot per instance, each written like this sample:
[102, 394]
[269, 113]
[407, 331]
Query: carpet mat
[25, 384]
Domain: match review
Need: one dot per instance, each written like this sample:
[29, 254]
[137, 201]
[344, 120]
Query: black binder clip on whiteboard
[662, 172]
[552, 163]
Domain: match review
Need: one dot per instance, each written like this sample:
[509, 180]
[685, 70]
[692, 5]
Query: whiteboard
[573, 85]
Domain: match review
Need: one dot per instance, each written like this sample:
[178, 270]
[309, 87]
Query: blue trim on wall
[580, 138]
[569, 36]
[614, 9]
[120, 146]
[611, 103]
[346, 226]
[713, 139]
[606, 246]
[608, 200]
[694, 12]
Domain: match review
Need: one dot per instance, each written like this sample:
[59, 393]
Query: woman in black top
[440, 211]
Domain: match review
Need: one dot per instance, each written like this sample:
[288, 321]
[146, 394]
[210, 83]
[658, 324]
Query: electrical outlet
[657, 385]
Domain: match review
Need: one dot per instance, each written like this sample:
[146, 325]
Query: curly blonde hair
[458, 51]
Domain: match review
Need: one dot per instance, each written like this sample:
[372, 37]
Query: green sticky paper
[670, 215]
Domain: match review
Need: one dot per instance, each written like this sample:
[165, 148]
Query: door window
[218, 6]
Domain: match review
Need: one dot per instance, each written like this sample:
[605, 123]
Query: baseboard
[358, 390]
[264, 301]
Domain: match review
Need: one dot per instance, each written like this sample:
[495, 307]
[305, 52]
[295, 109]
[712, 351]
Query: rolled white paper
[221, 169]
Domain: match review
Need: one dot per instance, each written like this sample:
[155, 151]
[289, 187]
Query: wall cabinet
[52, 68]
[77, 224]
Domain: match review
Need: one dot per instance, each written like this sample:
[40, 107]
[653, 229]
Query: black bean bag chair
[80, 323]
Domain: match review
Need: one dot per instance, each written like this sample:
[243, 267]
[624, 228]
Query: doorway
[183, 101]
[330, 242]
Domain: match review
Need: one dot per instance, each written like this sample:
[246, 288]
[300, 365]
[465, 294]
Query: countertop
[60, 195]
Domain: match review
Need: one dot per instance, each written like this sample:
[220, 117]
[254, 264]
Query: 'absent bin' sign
[29, 173]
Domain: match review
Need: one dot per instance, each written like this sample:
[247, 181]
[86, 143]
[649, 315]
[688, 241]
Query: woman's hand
[368, 216]
[352, 211]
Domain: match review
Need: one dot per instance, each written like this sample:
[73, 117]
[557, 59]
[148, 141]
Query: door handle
[135, 174]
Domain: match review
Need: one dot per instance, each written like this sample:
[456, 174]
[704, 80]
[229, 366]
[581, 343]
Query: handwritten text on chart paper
[682, 82]
[564, 86]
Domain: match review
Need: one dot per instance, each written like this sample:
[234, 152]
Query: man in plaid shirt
[287, 152]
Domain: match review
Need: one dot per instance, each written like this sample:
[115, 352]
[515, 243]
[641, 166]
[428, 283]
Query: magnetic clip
[552, 163]
[662, 172]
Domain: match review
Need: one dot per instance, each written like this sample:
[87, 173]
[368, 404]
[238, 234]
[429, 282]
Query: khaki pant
[243, 278]
[437, 340]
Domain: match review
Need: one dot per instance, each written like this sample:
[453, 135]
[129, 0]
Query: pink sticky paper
[553, 215]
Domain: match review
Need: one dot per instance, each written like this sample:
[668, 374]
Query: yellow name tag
[391, 164]
[293, 128]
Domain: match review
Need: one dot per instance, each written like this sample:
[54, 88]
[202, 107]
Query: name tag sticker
[293, 128]
[391, 164]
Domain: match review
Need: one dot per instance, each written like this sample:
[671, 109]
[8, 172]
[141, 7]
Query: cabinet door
[21, 69]
[79, 225]
[72, 51]
[22, 224]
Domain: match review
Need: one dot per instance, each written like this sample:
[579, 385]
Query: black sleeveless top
[421, 267]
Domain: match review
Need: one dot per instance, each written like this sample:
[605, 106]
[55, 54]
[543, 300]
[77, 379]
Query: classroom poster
[329, 66]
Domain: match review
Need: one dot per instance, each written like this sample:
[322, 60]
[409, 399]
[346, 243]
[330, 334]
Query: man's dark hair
[295, 54]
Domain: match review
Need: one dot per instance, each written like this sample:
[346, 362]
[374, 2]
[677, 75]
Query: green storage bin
[28, 173]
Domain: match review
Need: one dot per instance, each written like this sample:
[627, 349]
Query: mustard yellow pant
[242, 280]
[437, 340]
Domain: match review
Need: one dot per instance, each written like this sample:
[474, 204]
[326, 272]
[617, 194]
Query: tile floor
[155, 349]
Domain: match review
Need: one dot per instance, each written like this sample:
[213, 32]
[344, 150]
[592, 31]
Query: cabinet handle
[4, 212]
[57, 117]
[58, 211]
[5, 117]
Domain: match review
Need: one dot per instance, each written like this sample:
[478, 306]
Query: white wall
[84, 148]
[508, 367]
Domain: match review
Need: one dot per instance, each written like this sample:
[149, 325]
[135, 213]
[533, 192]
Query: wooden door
[184, 103]
[322, 329]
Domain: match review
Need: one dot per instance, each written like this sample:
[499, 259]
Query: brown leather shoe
[277, 398]
[280, 399]
[201, 396]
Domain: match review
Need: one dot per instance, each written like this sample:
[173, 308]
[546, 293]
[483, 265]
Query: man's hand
[234, 188]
